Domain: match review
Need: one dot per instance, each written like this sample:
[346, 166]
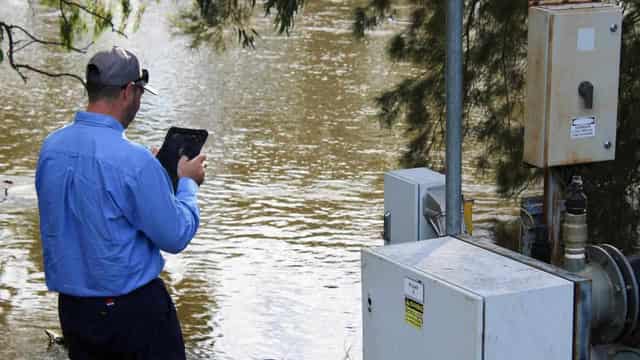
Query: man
[107, 208]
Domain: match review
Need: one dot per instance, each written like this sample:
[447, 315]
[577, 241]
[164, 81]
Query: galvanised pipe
[575, 237]
[454, 116]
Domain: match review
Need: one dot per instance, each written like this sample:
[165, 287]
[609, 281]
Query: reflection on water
[293, 191]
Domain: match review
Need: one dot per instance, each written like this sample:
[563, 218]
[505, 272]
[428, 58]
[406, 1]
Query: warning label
[413, 312]
[583, 127]
[413, 302]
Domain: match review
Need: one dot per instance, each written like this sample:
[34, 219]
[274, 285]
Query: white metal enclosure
[404, 192]
[447, 299]
[571, 45]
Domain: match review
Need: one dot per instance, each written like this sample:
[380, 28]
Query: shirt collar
[97, 119]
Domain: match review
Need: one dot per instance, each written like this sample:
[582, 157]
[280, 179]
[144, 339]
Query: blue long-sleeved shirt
[106, 209]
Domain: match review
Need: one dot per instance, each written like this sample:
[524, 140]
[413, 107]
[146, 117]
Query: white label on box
[586, 39]
[414, 290]
[583, 127]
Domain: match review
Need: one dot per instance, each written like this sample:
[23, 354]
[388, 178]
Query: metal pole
[552, 212]
[454, 116]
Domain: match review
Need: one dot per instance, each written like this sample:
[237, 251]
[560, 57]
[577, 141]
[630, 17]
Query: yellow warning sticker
[413, 312]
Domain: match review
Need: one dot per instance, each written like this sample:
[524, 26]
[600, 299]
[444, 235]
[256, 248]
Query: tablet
[178, 142]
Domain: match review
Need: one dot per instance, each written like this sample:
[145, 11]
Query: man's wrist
[188, 184]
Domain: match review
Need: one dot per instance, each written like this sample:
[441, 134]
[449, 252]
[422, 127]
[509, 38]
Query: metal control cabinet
[404, 193]
[572, 84]
[448, 299]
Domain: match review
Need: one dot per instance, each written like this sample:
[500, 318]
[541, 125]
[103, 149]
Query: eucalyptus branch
[505, 77]
[29, 39]
[47, 73]
[471, 20]
[29, 43]
[94, 14]
[467, 32]
[18, 67]
[10, 54]
[64, 17]
[34, 40]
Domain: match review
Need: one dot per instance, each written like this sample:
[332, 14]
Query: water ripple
[294, 186]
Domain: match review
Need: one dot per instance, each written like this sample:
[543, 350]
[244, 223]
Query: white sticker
[414, 290]
[583, 127]
[586, 39]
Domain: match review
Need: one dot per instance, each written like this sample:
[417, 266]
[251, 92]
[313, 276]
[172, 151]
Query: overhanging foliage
[495, 40]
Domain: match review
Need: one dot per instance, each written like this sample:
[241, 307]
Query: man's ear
[129, 91]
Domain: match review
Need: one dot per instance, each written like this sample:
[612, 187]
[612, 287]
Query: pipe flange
[634, 339]
[615, 327]
[614, 352]
[631, 286]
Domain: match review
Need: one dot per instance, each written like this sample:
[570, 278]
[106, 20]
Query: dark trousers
[140, 325]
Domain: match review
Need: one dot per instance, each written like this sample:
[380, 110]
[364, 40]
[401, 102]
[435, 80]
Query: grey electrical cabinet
[405, 197]
[447, 299]
[573, 63]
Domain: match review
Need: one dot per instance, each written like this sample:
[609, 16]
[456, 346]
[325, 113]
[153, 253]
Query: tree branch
[64, 17]
[17, 66]
[16, 45]
[94, 14]
[50, 74]
[10, 54]
[23, 46]
[34, 39]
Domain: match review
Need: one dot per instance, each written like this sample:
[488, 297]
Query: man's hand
[193, 168]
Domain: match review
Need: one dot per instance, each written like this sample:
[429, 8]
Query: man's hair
[99, 91]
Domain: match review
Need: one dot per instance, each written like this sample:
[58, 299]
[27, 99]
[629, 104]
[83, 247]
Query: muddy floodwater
[294, 185]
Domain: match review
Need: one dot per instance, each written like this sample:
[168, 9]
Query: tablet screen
[178, 142]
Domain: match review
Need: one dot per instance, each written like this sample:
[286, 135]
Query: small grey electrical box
[448, 299]
[406, 193]
[572, 84]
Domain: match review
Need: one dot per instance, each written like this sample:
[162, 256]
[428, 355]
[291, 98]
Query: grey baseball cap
[117, 67]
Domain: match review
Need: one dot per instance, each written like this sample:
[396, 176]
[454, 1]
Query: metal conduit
[454, 117]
